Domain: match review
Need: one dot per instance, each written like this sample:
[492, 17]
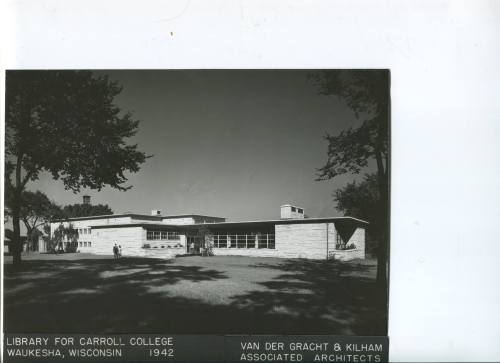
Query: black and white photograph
[249, 181]
[197, 201]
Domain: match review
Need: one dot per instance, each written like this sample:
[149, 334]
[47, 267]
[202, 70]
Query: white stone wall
[332, 238]
[253, 252]
[191, 220]
[287, 213]
[301, 240]
[184, 220]
[103, 221]
[358, 239]
[130, 238]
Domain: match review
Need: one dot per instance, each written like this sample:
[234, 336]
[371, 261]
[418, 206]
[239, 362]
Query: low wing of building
[291, 236]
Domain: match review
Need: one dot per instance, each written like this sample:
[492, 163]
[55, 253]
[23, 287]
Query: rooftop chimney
[291, 212]
[86, 199]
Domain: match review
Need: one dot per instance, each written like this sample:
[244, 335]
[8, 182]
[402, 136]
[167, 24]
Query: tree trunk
[16, 209]
[383, 244]
[382, 270]
[16, 244]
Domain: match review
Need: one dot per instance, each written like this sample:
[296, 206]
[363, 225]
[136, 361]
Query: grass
[85, 293]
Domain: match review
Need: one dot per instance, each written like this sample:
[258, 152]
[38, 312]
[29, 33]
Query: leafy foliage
[36, 211]
[366, 92]
[86, 210]
[207, 240]
[361, 200]
[61, 235]
[65, 123]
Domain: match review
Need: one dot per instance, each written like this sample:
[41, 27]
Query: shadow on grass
[132, 296]
[320, 297]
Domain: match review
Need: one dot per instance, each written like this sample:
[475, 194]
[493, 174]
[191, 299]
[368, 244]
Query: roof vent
[289, 211]
[156, 212]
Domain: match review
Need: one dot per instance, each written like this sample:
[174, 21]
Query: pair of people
[117, 251]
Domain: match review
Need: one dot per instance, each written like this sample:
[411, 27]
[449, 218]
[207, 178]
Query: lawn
[84, 293]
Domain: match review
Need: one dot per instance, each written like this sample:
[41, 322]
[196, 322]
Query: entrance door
[193, 244]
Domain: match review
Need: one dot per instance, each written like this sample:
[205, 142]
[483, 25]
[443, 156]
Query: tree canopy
[367, 94]
[86, 210]
[66, 123]
[37, 209]
[359, 199]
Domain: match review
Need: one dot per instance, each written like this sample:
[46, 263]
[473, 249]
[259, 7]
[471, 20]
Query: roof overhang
[262, 223]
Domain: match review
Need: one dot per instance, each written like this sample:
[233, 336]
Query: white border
[444, 56]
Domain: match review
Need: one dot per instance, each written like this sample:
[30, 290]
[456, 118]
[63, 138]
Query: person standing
[115, 251]
[120, 251]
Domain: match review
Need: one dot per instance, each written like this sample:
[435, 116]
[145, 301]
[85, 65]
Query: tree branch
[26, 178]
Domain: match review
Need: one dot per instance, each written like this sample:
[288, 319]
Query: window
[241, 241]
[85, 244]
[270, 242]
[90, 244]
[300, 210]
[251, 241]
[81, 243]
[162, 235]
[222, 241]
[293, 209]
[247, 241]
[263, 241]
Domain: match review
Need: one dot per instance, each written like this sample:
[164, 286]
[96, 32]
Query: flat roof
[137, 216]
[236, 224]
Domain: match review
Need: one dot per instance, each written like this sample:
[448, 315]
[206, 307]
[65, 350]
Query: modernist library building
[159, 236]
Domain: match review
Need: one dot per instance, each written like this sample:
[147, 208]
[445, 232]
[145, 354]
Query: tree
[361, 200]
[64, 234]
[366, 92]
[65, 123]
[86, 210]
[36, 210]
[206, 239]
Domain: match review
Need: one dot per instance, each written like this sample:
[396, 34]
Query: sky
[229, 143]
